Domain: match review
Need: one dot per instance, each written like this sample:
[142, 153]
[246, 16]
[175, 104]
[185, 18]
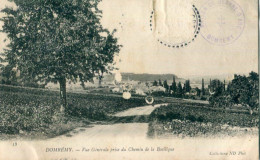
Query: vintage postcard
[129, 79]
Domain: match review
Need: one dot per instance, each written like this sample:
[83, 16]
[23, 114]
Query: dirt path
[145, 110]
[114, 130]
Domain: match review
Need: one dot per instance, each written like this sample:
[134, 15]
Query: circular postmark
[223, 21]
[178, 41]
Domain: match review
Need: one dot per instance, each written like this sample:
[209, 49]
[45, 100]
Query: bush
[192, 118]
[200, 119]
[171, 115]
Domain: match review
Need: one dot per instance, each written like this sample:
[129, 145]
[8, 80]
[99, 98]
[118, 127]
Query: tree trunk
[100, 81]
[63, 95]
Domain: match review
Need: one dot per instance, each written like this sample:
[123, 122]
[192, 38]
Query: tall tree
[173, 79]
[187, 86]
[224, 85]
[179, 89]
[165, 85]
[174, 86]
[216, 87]
[57, 40]
[202, 87]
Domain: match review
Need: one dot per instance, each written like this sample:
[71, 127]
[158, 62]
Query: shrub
[172, 115]
[192, 118]
[200, 119]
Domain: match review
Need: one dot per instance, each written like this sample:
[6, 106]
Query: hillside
[143, 77]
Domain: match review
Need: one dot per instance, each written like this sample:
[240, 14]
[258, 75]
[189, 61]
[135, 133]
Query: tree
[228, 87]
[224, 85]
[9, 76]
[241, 90]
[165, 85]
[216, 87]
[57, 40]
[202, 87]
[106, 53]
[187, 86]
[174, 86]
[198, 91]
[155, 83]
[245, 90]
[179, 90]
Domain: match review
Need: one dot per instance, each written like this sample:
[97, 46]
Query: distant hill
[143, 77]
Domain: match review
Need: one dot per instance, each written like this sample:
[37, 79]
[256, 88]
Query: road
[138, 111]
[115, 130]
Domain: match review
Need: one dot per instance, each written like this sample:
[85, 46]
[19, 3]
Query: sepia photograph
[129, 79]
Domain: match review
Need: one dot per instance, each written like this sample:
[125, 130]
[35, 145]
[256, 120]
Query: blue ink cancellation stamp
[223, 21]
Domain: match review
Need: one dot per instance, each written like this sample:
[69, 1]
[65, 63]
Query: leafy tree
[9, 76]
[245, 90]
[58, 41]
[242, 90]
[106, 53]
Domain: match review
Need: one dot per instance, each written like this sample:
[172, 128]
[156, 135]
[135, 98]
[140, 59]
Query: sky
[142, 53]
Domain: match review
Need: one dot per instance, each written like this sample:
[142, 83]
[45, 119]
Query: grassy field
[29, 113]
[185, 120]
[36, 111]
